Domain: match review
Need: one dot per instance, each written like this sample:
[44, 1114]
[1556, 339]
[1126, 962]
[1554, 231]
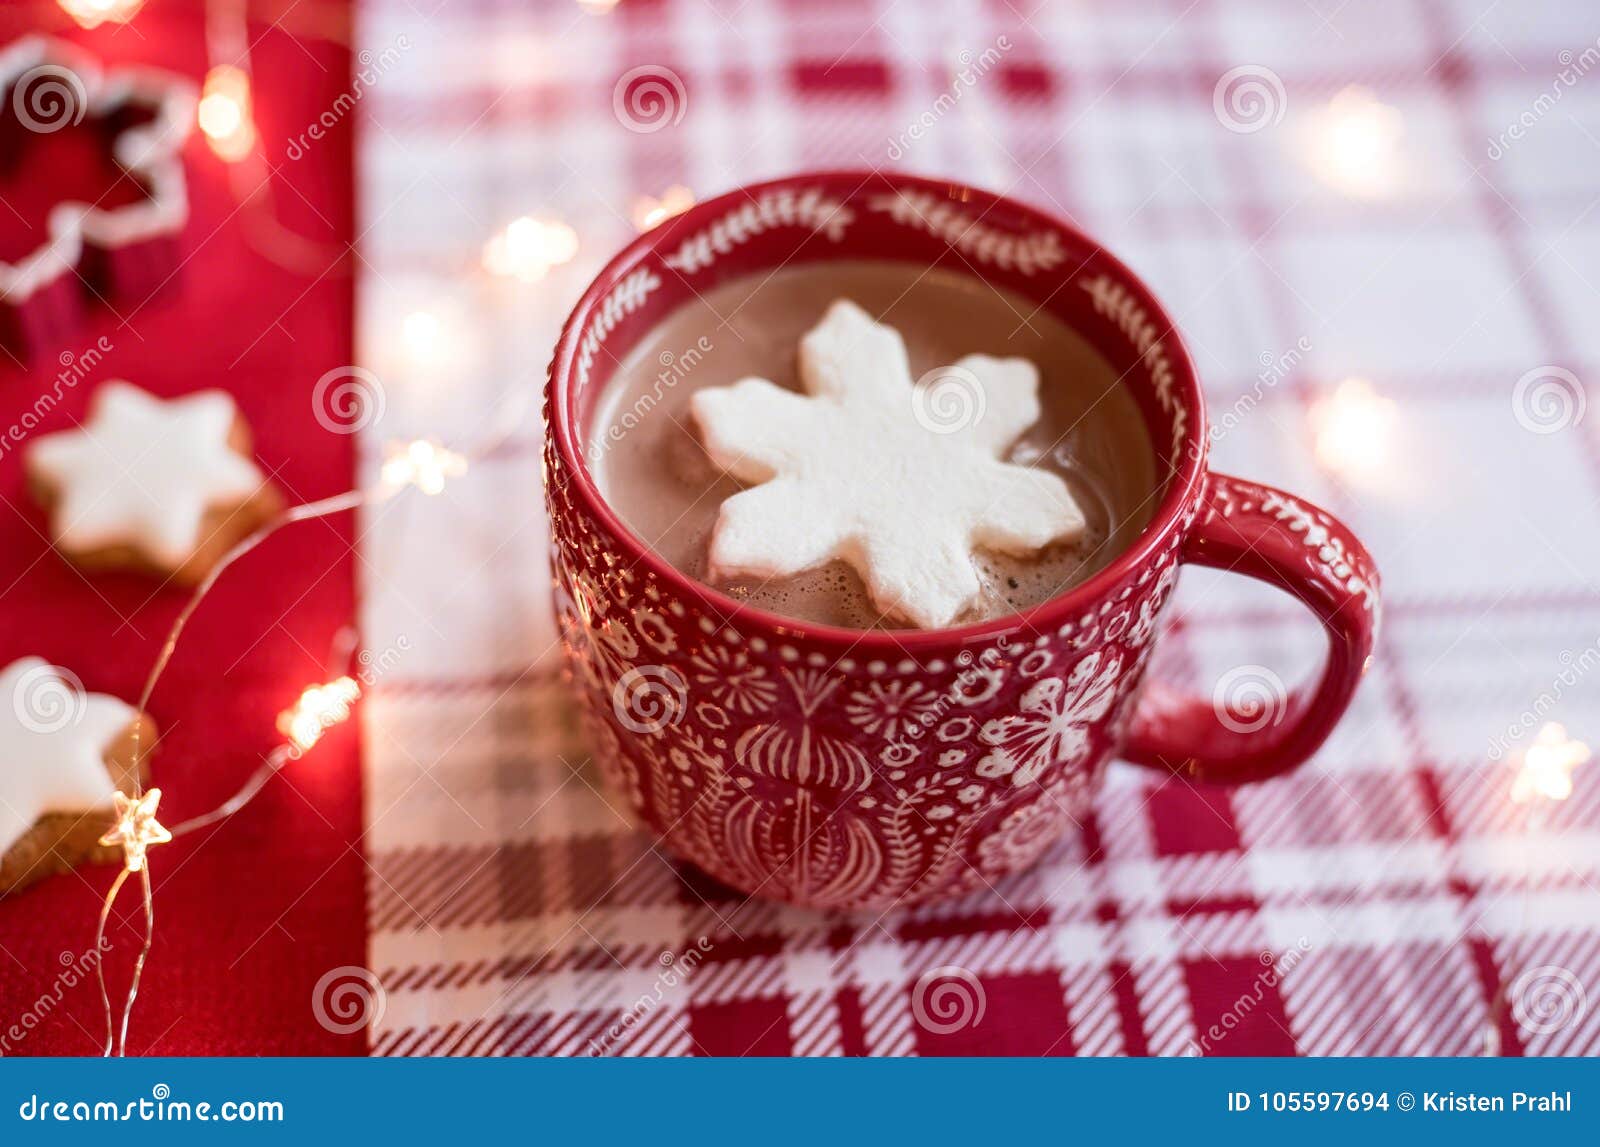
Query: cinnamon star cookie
[164, 486]
[62, 754]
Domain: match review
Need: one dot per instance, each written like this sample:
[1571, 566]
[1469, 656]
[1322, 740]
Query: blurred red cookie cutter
[90, 253]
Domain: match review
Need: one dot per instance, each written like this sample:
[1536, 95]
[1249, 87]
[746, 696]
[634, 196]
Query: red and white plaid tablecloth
[1390, 898]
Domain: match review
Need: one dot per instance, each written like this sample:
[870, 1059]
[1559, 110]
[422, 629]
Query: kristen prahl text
[1446, 1102]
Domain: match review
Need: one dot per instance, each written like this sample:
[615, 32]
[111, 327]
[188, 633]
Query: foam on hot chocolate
[654, 471]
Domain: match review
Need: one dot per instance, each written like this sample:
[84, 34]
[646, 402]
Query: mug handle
[1254, 730]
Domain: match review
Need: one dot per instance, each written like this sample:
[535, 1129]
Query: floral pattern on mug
[1052, 726]
[892, 709]
[842, 783]
[730, 679]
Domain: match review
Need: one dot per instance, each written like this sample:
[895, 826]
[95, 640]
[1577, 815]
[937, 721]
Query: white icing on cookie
[53, 741]
[851, 470]
[143, 472]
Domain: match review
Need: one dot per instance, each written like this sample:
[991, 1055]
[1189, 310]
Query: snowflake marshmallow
[852, 470]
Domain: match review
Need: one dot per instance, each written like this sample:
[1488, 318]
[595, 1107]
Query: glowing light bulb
[423, 464]
[1354, 428]
[319, 709]
[427, 337]
[529, 247]
[648, 212]
[422, 333]
[93, 13]
[136, 827]
[1353, 144]
[224, 112]
[1546, 768]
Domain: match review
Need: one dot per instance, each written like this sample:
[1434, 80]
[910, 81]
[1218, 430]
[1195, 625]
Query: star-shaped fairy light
[92, 13]
[1354, 145]
[1547, 766]
[224, 113]
[1354, 429]
[902, 481]
[317, 710]
[421, 463]
[136, 827]
[648, 211]
[528, 248]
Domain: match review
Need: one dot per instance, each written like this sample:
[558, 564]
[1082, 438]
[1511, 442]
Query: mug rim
[1183, 489]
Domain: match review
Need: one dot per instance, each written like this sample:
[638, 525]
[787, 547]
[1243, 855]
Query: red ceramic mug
[843, 769]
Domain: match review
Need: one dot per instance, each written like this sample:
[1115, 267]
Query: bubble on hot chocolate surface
[1089, 433]
[1013, 584]
[831, 594]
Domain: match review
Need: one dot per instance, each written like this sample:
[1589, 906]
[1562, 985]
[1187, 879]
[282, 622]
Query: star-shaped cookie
[164, 486]
[854, 470]
[62, 754]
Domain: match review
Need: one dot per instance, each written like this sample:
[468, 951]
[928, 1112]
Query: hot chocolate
[650, 463]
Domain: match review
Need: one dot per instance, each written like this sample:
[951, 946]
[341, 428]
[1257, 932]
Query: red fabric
[250, 913]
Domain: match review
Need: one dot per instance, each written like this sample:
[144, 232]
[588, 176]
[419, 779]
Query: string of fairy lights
[526, 249]
[423, 465]
[1356, 150]
[224, 114]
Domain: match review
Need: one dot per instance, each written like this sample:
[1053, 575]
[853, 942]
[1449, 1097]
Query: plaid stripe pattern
[1377, 217]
